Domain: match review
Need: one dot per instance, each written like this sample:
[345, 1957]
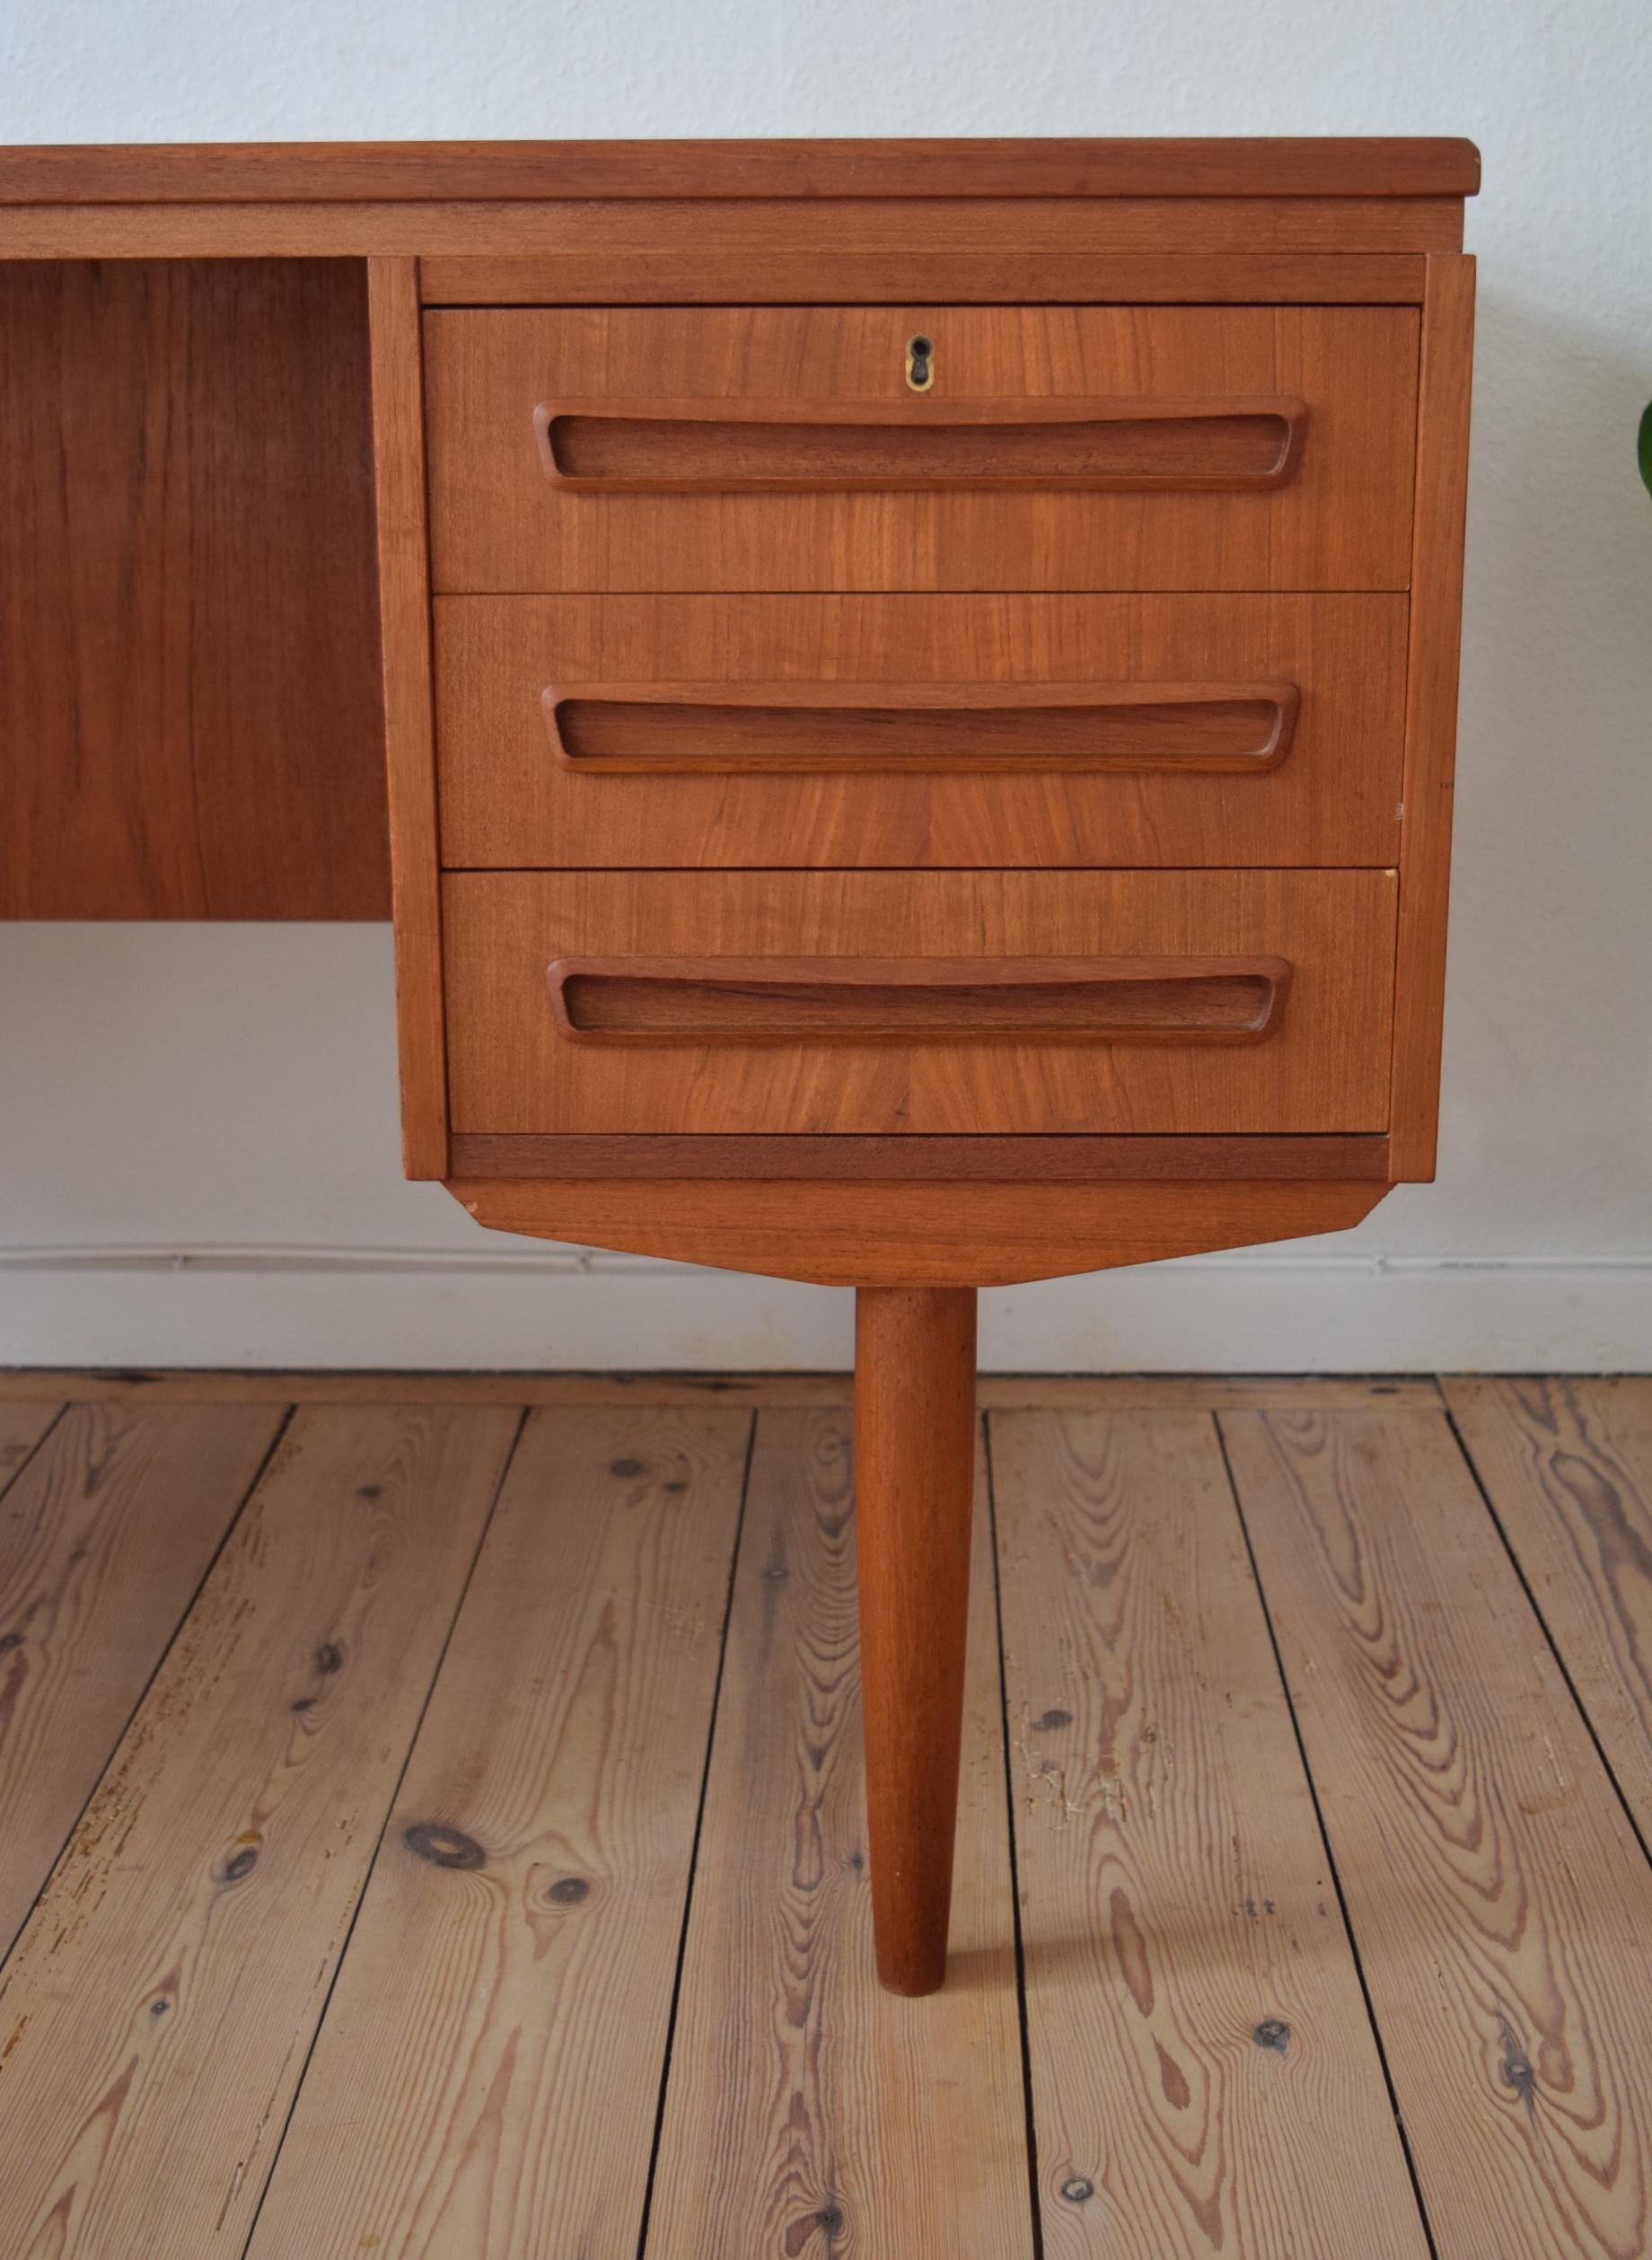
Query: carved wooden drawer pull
[717, 445]
[872, 727]
[918, 999]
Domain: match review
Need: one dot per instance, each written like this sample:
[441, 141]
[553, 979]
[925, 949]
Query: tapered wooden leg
[915, 1470]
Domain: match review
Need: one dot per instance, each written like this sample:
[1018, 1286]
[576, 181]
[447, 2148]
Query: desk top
[325, 173]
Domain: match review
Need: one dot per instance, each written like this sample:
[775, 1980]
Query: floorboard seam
[1324, 1838]
[389, 1806]
[700, 1818]
[1034, 2187]
[39, 1445]
[1484, 1489]
[142, 1696]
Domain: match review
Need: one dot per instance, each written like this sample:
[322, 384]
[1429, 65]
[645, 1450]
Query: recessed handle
[918, 999]
[706, 447]
[774, 728]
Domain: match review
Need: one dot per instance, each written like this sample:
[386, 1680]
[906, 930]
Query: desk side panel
[404, 597]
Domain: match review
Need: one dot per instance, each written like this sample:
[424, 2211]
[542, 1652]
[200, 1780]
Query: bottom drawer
[940, 1002]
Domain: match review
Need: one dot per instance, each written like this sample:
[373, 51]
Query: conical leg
[915, 1465]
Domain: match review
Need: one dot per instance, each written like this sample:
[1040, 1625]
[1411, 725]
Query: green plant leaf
[1645, 449]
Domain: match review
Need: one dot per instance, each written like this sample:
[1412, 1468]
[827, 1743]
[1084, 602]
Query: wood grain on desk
[189, 707]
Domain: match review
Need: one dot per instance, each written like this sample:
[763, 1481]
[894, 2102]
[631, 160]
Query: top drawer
[780, 448]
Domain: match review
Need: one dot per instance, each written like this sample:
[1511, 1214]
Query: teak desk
[918, 684]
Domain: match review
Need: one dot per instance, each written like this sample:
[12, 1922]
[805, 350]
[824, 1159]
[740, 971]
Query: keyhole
[919, 363]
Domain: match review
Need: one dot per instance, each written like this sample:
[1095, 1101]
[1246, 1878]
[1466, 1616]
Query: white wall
[197, 1157]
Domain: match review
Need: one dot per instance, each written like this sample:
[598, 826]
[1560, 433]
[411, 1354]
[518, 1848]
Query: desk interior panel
[191, 717]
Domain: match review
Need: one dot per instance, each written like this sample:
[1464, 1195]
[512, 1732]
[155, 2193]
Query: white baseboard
[549, 1309]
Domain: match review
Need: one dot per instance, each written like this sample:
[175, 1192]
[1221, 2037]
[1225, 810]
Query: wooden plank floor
[431, 1827]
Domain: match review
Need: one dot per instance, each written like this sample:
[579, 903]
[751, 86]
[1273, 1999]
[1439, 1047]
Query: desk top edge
[325, 173]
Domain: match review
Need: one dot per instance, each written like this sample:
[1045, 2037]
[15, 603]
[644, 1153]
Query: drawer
[778, 731]
[941, 1002]
[783, 447]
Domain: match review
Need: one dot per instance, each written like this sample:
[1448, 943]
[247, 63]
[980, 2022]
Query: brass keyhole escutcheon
[920, 363]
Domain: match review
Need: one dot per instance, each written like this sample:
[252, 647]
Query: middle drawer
[580, 732]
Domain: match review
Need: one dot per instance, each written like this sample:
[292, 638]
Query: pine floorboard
[807, 2112]
[434, 1834]
[1199, 2037]
[1569, 1467]
[488, 2076]
[1498, 1897]
[157, 2010]
[104, 1537]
